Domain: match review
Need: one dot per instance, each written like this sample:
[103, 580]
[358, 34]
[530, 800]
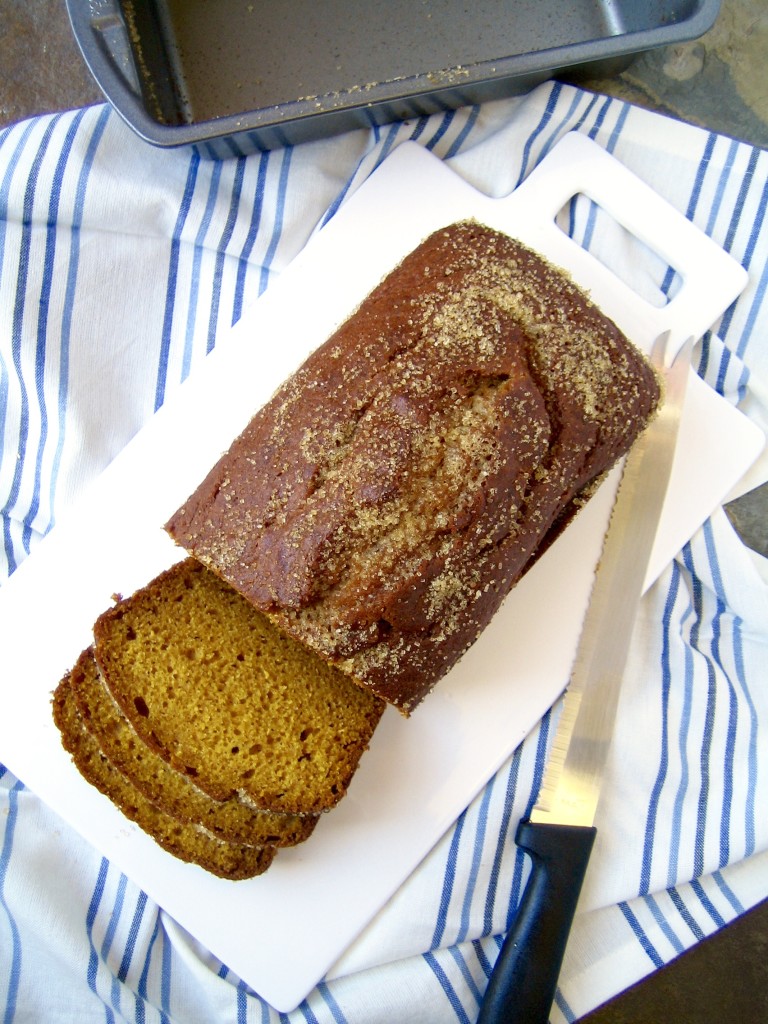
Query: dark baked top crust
[383, 503]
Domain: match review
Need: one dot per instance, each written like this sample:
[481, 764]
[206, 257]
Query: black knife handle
[524, 978]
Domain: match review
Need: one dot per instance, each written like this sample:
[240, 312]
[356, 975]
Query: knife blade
[559, 834]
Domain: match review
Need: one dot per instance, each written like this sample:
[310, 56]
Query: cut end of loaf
[209, 683]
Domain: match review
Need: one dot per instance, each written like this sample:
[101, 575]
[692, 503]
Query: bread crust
[381, 506]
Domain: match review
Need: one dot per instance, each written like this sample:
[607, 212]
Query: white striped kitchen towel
[120, 265]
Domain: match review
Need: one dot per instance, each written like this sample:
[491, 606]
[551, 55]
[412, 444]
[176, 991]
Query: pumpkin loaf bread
[382, 504]
[187, 842]
[167, 789]
[222, 696]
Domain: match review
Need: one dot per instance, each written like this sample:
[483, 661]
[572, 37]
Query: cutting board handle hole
[629, 258]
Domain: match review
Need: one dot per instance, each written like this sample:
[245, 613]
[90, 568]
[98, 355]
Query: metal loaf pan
[236, 76]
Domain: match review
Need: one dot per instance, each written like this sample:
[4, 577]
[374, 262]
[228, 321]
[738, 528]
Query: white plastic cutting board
[282, 932]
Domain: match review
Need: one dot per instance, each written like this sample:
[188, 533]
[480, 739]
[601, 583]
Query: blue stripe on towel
[521, 867]
[732, 719]
[477, 857]
[445, 983]
[385, 147]
[166, 975]
[706, 902]
[727, 892]
[457, 955]
[503, 840]
[720, 190]
[666, 681]
[173, 273]
[738, 669]
[420, 127]
[306, 1011]
[250, 238]
[197, 258]
[442, 128]
[746, 186]
[640, 934]
[241, 1003]
[664, 925]
[42, 331]
[341, 196]
[93, 909]
[71, 281]
[709, 698]
[603, 105]
[133, 933]
[464, 134]
[109, 938]
[221, 252]
[544, 121]
[685, 913]
[761, 287]
[482, 958]
[737, 217]
[750, 807]
[448, 880]
[15, 958]
[738, 209]
[330, 1002]
[563, 1007]
[701, 172]
[613, 138]
[5, 185]
[564, 125]
[277, 227]
[27, 226]
[19, 309]
[686, 716]
[141, 987]
[5, 188]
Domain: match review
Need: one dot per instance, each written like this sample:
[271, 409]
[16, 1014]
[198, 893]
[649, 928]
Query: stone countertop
[712, 82]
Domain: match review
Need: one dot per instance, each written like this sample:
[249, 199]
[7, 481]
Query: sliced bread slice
[166, 788]
[227, 699]
[189, 843]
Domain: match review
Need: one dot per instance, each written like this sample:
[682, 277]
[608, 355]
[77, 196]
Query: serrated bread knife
[559, 834]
